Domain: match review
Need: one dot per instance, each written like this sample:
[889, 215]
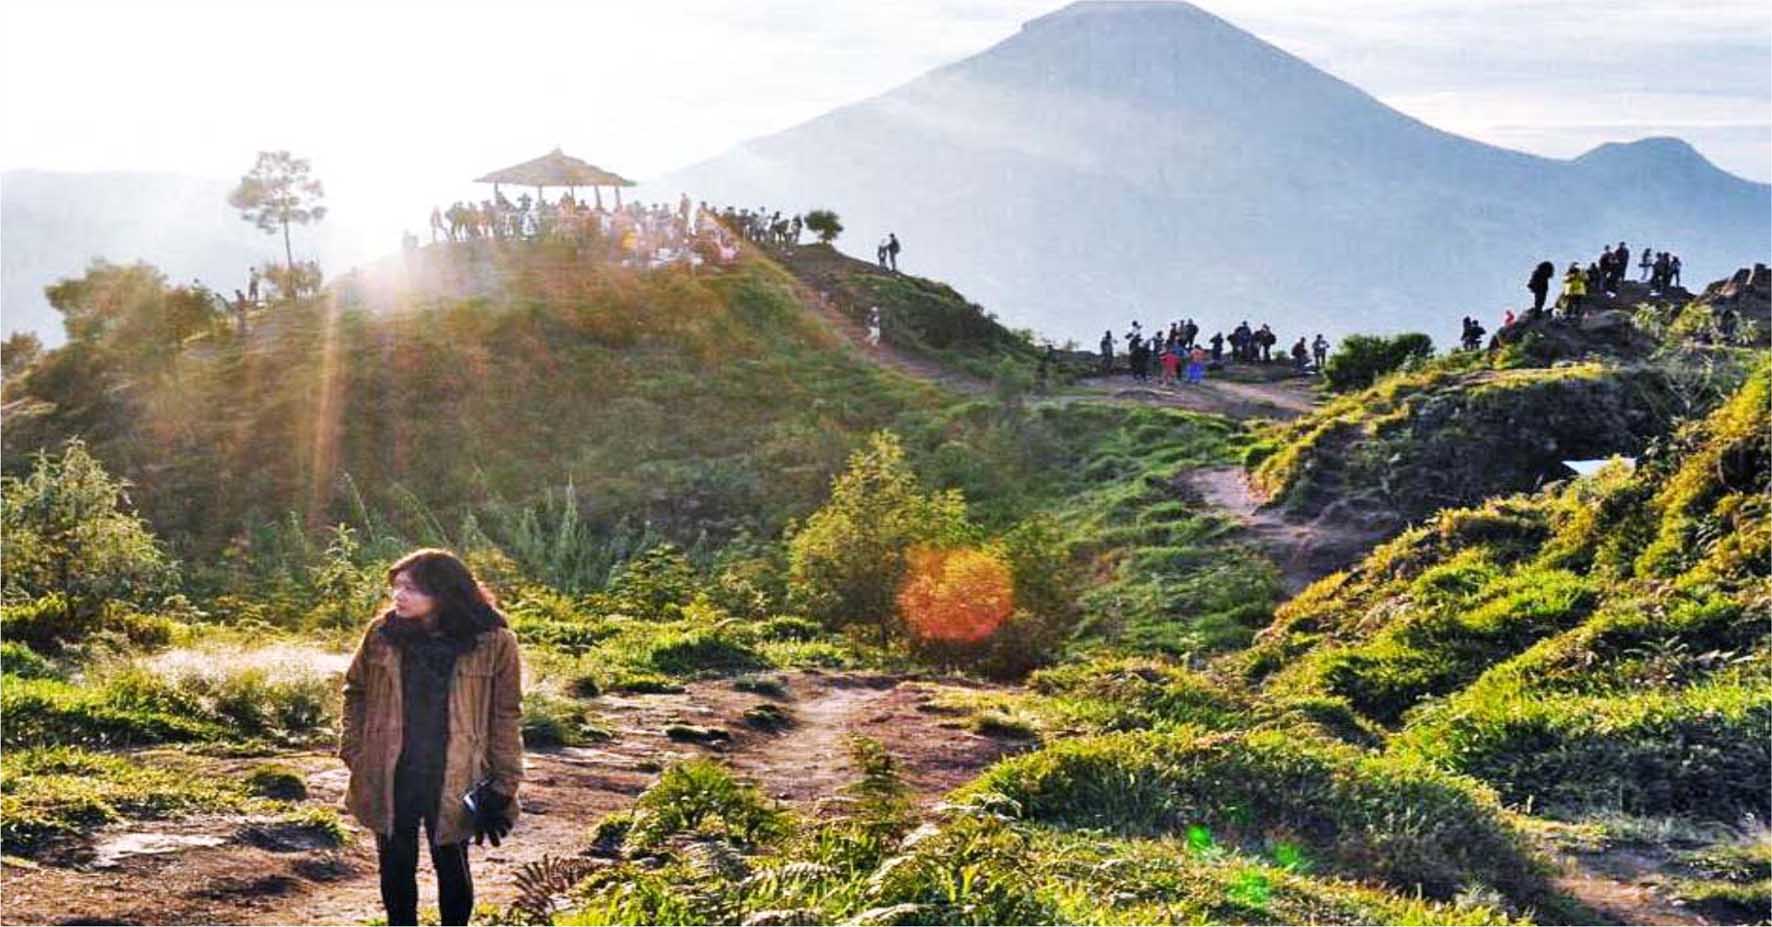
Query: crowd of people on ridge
[645, 234]
[1606, 275]
[1178, 354]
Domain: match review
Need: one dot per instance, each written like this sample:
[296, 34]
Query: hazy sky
[402, 103]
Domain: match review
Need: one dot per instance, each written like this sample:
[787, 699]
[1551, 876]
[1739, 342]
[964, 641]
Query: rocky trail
[236, 870]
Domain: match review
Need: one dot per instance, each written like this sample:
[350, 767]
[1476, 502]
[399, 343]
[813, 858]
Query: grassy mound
[1400, 821]
[1449, 435]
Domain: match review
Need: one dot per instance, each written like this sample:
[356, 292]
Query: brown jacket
[485, 736]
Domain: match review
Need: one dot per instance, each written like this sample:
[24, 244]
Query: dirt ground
[223, 870]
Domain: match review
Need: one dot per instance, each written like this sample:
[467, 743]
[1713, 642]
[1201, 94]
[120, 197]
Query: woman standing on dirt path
[433, 701]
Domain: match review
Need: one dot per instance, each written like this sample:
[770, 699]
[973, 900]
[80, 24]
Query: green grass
[1702, 751]
[1403, 822]
[52, 792]
[551, 721]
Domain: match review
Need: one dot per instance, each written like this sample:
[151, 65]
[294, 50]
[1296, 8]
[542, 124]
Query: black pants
[398, 854]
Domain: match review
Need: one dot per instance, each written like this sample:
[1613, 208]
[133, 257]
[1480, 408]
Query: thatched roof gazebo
[558, 169]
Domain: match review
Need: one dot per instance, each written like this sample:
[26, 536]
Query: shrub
[138, 709]
[556, 722]
[790, 629]
[1132, 694]
[1361, 360]
[275, 780]
[44, 623]
[650, 584]
[68, 532]
[702, 796]
[847, 562]
[700, 650]
[23, 662]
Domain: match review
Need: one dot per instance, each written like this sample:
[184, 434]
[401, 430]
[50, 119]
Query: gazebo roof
[556, 169]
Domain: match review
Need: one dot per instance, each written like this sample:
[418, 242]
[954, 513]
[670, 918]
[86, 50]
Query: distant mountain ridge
[1114, 161]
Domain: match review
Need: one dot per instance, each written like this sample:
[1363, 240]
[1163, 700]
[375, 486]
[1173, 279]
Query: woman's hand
[489, 818]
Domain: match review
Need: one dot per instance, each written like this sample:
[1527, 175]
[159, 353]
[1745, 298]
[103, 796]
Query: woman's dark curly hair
[465, 607]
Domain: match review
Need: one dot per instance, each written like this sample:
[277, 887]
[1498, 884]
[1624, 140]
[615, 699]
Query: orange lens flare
[955, 596]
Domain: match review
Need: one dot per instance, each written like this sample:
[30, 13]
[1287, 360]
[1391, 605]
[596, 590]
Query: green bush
[1130, 694]
[136, 709]
[44, 623]
[556, 722]
[790, 629]
[700, 650]
[1401, 821]
[68, 533]
[1361, 360]
[846, 563]
[23, 662]
[278, 781]
[703, 797]
[651, 584]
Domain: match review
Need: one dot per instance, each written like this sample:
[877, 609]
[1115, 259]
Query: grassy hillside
[1600, 646]
[677, 482]
[693, 402]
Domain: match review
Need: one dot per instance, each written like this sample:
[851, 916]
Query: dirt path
[1304, 551]
[884, 353]
[1280, 399]
[1618, 884]
[243, 879]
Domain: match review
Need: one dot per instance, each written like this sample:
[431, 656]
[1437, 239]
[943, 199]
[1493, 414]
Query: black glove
[489, 815]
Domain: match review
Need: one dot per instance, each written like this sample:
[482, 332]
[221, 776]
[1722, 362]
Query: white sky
[402, 103]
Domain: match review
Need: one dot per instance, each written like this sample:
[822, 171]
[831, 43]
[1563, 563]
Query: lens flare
[955, 596]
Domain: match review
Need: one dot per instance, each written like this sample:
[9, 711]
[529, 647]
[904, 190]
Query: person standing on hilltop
[1196, 365]
[1673, 270]
[1620, 267]
[1647, 263]
[1320, 351]
[892, 249]
[431, 730]
[1107, 352]
[1574, 288]
[1217, 342]
[252, 284]
[1540, 286]
[1171, 361]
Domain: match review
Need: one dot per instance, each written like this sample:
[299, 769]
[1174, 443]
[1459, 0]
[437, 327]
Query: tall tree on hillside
[277, 192]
